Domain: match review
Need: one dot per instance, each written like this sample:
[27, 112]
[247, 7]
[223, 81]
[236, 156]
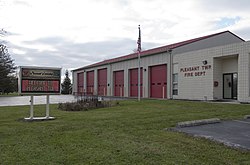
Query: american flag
[139, 40]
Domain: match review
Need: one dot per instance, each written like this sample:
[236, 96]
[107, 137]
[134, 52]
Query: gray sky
[75, 33]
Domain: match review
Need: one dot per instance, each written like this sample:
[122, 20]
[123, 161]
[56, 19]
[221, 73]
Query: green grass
[9, 94]
[131, 133]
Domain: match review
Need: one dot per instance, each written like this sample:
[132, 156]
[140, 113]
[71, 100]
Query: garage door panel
[80, 83]
[102, 82]
[90, 82]
[158, 79]
[119, 83]
[133, 79]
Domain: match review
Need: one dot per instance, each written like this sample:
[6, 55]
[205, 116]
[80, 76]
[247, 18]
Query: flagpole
[139, 63]
[139, 76]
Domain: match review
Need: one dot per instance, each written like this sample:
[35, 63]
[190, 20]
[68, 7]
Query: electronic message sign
[39, 80]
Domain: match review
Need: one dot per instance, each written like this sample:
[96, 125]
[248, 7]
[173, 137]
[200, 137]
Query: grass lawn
[131, 133]
[9, 95]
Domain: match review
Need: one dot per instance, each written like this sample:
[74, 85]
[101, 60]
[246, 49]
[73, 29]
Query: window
[175, 84]
[175, 79]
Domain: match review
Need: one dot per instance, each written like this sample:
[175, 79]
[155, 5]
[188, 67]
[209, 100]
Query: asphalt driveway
[235, 133]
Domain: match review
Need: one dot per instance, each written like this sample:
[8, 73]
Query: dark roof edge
[236, 36]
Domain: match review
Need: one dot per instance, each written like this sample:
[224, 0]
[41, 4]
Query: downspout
[110, 85]
[171, 73]
[73, 84]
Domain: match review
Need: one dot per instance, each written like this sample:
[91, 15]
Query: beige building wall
[197, 72]
[196, 80]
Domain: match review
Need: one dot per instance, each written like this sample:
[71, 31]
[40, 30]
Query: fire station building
[213, 67]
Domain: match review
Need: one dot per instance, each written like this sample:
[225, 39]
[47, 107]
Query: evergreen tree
[12, 85]
[7, 68]
[66, 85]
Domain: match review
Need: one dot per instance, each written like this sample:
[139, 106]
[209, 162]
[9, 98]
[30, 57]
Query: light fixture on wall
[145, 69]
[204, 62]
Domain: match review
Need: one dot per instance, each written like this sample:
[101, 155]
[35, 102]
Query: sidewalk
[25, 100]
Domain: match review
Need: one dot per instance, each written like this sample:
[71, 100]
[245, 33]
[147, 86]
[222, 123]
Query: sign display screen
[34, 80]
[40, 86]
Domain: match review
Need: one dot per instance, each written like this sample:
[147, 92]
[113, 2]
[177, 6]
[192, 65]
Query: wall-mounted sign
[195, 70]
[39, 80]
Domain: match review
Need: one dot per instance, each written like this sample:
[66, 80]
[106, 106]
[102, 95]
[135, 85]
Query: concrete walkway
[25, 100]
[54, 99]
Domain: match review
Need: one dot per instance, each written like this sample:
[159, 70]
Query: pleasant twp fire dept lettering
[195, 70]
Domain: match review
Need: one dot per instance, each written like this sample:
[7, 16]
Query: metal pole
[31, 107]
[139, 63]
[163, 92]
[47, 106]
[171, 74]
[139, 76]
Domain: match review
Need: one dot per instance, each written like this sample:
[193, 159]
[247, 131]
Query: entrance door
[230, 84]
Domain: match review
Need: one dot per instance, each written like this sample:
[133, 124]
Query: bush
[85, 105]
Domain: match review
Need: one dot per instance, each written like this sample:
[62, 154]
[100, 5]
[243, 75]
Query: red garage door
[90, 82]
[119, 83]
[158, 81]
[80, 81]
[102, 82]
[133, 79]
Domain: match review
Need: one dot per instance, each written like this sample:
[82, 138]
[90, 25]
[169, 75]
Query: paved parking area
[235, 133]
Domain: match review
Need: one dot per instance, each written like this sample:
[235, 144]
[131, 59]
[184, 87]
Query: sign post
[39, 81]
[31, 107]
[47, 106]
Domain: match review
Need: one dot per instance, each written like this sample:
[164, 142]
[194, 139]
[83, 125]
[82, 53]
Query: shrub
[85, 105]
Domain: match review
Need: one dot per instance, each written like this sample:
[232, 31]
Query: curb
[247, 117]
[197, 122]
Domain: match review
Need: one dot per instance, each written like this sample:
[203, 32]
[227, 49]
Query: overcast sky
[74, 33]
